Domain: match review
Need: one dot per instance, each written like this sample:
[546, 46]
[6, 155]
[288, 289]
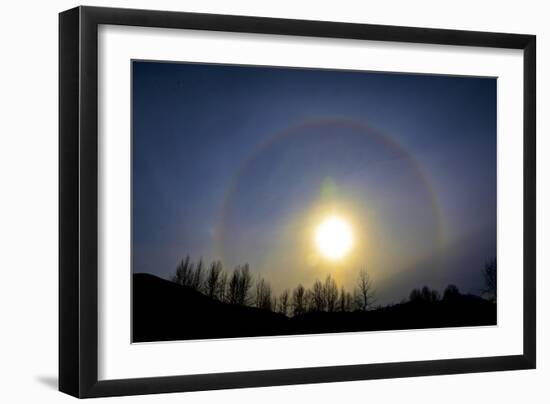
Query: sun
[334, 237]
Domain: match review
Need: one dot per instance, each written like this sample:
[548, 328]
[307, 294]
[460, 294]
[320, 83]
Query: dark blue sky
[241, 163]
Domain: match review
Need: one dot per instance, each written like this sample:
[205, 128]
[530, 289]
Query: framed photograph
[251, 201]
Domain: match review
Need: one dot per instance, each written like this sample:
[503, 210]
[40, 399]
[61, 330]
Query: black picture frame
[78, 201]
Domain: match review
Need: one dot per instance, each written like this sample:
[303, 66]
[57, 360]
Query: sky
[243, 163]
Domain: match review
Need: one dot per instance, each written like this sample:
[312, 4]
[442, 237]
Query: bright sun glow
[334, 237]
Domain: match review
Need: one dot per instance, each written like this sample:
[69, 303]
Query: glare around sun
[334, 238]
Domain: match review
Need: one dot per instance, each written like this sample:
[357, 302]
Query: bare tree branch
[364, 291]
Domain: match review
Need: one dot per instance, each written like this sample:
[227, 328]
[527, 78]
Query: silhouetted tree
[364, 292]
[451, 293]
[349, 301]
[330, 292]
[212, 281]
[222, 287]
[233, 287]
[259, 294]
[299, 305]
[415, 295]
[198, 277]
[274, 303]
[184, 272]
[342, 300]
[244, 285]
[262, 298]
[318, 302]
[490, 278]
[309, 301]
[239, 286]
[425, 295]
[345, 301]
[430, 295]
[284, 301]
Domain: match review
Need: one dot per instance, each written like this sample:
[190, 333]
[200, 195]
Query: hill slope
[164, 311]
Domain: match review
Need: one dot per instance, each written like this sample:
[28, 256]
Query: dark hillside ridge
[165, 311]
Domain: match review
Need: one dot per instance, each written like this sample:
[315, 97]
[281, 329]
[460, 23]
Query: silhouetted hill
[411, 315]
[163, 310]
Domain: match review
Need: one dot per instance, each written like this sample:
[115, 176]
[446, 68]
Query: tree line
[451, 292]
[241, 287]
